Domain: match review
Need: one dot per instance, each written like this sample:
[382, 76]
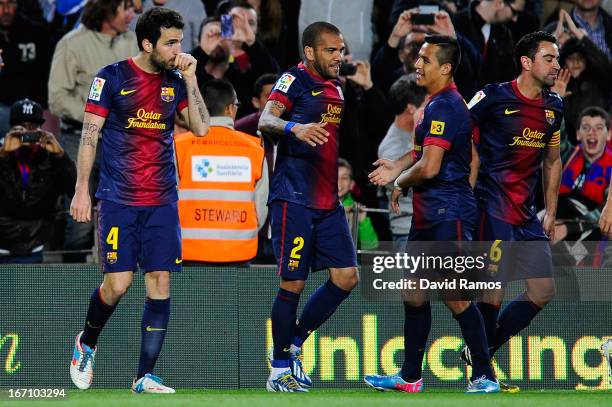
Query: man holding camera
[34, 172]
[229, 50]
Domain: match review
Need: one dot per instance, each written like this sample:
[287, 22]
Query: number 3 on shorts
[113, 237]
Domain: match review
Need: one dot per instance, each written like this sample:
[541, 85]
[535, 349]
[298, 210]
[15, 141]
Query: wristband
[288, 127]
[396, 185]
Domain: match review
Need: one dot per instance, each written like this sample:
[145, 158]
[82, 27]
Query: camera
[227, 26]
[31, 137]
[347, 69]
[426, 15]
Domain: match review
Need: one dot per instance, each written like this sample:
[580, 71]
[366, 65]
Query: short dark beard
[323, 72]
[157, 63]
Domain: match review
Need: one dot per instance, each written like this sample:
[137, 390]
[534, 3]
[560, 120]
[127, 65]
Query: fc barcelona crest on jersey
[167, 94]
[550, 116]
[111, 257]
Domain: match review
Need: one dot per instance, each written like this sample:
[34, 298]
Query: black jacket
[26, 214]
[27, 49]
[495, 62]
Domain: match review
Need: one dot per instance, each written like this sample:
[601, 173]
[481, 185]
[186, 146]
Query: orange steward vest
[217, 177]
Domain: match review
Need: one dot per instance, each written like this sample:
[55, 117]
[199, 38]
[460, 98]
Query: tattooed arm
[80, 208]
[270, 121]
[195, 114]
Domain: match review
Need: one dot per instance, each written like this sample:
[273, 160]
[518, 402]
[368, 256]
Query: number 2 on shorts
[113, 237]
[299, 244]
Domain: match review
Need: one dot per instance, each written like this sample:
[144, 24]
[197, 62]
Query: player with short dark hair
[132, 105]
[150, 25]
[516, 134]
[309, 227]
[444, 210]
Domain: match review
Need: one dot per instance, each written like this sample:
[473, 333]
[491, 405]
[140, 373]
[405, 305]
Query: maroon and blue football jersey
[137, 161]
[448, 196]
[511, 133]
[303, 174]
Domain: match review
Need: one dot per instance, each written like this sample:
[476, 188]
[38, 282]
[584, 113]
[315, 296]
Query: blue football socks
[98, 314]
[284, 314]
[155, 317]
[417, 324]
[320, 306]
[473, 331]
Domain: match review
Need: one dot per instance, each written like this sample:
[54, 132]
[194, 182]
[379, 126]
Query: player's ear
[147, 45]
[446, 69]
[309, 53]
[526, 63]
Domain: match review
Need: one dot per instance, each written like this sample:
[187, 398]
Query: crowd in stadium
[53, 49]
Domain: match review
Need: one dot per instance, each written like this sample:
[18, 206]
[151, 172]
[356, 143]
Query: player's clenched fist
[312, 133]
[80, 207]
[186, 64]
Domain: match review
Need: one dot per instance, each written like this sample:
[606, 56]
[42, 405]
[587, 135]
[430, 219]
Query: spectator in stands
[193, 14]
[405, 99]
[585, 81]
[215, 55]
[277, 29]
[102, 39]
[396, 57]
[585, 179]
[486, 43]
[34, 172]
[589, 16]
[385, 63]
[27, 49]
[248, 124]
[525, 20]
[366, 235]
[223, 184]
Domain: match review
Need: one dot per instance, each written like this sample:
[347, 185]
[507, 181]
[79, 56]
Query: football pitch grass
[327, 398]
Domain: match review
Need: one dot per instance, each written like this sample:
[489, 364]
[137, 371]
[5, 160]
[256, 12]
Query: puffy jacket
[26, 213]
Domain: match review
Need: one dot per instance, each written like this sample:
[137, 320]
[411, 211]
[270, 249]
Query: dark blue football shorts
[304, 238]
[516, 252]
[147, 236]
